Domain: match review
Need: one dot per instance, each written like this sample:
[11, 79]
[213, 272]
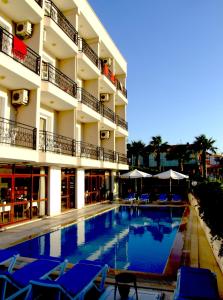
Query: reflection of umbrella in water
[170, 174]
[134, 175]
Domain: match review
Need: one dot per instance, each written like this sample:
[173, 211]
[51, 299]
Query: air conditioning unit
[104, 134]
[20, 97]
[104, 97]
[51, 11]
[24, 29]
[107, 61]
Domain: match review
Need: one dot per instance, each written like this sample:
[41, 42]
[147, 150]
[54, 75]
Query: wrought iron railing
[89, 52]
[121, 122]
[107, 112]
[40, 2]
[86, 150]
[84, 97]
[122, 158]
[17, 134]
[49, 141]
[121, 88]
[58, 17]
[55, 76]
[17, 49]
[108, 155]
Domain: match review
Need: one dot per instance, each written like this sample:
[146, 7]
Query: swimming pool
[132, 238]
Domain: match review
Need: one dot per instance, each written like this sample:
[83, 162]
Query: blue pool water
[133, 238]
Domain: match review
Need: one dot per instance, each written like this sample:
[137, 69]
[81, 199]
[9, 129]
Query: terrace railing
[107, 112]
[88, 99]
[121, 122]
[58, 17]
[86, 150]
[89, 52]
[55, 76]
[40, 2]
[17, 49]
[17, 134]
[121, 88]
[49, 141]
[122, 158]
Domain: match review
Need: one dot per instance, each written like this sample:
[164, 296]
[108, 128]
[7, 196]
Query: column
[80, 188]
[54, 191]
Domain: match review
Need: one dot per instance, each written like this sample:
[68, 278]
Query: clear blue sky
[174, 51]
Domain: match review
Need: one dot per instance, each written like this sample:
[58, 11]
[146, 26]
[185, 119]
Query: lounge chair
[8, 257]
[176, 198]
[17, 282]
[196, 283]
[162, 198]
[144, 198]
[73, 284]
[130, 198]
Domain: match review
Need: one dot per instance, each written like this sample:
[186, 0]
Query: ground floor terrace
[196, 251]
[28, 192]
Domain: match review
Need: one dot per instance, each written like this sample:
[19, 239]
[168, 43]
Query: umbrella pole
[170, 185]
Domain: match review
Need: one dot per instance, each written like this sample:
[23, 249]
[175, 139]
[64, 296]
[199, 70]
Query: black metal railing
[121, 122]
[17, 49]
[55, 76]
[86, 150]
[88, 99]
[40, 2]
[58, 17]
[108, 155]
[17, 134]
[49, 141]
[122, 158]
[121, 88]
[107, 112]
[89, 52]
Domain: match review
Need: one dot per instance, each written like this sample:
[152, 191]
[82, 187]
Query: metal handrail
[52, 11]
[52, 142]
[55, 76]
[107, 112]
[89, 52]
[86, 150]
[27, 57]
[17, 134]
[121, 122]
[121, 88]
[88, 99]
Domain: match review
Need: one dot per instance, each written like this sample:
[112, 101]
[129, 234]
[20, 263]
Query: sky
[174, 52]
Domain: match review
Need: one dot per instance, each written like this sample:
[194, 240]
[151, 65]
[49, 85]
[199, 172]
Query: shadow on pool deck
[196, 250]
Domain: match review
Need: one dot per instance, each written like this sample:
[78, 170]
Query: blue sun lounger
[74, 283]
[8, 257]
[144, 198]
[176, 198]
[17, 282]
[130, 198]
[196, 283]
[162, 198]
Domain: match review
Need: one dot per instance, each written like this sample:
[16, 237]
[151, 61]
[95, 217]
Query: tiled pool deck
[196, 248]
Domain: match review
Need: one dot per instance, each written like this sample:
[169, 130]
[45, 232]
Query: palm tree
[202, 144]
[181, 152]
[135, 149]
[157, 146]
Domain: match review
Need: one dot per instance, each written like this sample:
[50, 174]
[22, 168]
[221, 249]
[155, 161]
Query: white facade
[55, 67]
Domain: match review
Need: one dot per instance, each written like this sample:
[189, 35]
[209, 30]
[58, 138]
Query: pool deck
[196, 249]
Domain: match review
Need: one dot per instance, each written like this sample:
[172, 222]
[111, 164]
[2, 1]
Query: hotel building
[63, 101]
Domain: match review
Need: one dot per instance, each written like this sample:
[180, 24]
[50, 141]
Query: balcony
[17, 134]
[121, 88]
[63, 42]
[53, 79]
[121, 122]
[56, 143]
[107, 113]
[122, 158]
[88, 61]
[86, 150]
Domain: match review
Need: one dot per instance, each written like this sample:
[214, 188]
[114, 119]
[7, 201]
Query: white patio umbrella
[134, 175]
[171, 174]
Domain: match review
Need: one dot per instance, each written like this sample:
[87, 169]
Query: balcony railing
[40, 2]
[121, 88]
[88, 99]
[122, 158]
[17, 134]
[86, 150]
[89, 52]
[108, 73]
[121, 122]
[17, 49]
[107, 112]
[108, 155]
[56, 143]
[55, 76]
[58, 17]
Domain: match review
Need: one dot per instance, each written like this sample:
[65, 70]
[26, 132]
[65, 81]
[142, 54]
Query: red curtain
[105, 70]
[19, 48]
